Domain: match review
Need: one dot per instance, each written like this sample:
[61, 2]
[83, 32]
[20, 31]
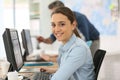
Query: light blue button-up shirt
[75, 61]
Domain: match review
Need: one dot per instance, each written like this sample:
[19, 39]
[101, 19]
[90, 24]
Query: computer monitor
[27, 43]
[13, 49]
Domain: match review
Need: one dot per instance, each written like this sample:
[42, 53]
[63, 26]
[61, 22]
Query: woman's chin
[59, 39]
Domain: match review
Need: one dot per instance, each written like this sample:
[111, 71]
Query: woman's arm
[51, 58]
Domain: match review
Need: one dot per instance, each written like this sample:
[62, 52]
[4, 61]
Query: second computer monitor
[27, 43]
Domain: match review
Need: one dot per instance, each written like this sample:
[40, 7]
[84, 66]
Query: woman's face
[62, 27]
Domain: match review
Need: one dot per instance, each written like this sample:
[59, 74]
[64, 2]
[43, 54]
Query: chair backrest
[98, 59]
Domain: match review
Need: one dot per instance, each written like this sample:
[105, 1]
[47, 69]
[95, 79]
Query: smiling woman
[61, 27]
[74, 57]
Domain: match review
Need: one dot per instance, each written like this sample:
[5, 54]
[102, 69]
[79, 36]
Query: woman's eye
[53, 25]
[62, 24]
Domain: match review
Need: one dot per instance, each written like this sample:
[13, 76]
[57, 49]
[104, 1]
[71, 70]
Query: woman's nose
[57, 28]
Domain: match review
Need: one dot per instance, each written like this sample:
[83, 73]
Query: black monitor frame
[26, 42]
[10, 39]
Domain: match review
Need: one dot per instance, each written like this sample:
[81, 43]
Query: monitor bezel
[9, 48]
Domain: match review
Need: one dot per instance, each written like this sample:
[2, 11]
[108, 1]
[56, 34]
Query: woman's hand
[48, 70]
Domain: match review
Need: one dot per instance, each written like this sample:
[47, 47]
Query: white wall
[7, 21]
[2, 51]
[45, 28]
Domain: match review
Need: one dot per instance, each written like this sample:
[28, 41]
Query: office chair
[98, 59]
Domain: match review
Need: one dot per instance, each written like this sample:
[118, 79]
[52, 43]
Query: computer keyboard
[41, 76]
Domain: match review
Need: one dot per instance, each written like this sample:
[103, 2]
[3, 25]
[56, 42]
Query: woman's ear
[74, 25]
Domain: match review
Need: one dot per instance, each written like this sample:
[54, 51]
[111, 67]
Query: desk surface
[29, 74]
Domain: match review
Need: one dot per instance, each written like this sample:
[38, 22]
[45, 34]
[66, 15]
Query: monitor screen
[27, 43]
[13, 49]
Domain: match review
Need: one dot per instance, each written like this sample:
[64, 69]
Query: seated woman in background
[74, 58]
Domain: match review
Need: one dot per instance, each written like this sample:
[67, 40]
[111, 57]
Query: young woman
[74, 59]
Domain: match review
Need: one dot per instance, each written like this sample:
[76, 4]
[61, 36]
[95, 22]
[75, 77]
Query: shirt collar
[67, 45]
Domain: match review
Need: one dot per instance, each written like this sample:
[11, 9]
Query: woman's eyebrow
[61, 22]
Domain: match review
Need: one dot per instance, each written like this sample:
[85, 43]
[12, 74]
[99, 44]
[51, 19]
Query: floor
[110, 69]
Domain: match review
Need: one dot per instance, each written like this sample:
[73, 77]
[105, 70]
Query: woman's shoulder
[81, 43]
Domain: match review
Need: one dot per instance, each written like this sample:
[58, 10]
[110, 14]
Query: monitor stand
[24, 56]
[10, 68]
